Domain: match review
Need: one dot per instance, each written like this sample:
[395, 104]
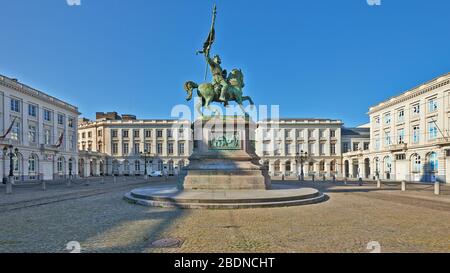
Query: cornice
[24, 89]
[412, 93]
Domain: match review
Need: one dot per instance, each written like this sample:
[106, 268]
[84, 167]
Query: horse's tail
[190, 85]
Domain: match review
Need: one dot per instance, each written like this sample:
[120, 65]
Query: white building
[115, 145]
[38, 121]
[410, 134]
[280, 142]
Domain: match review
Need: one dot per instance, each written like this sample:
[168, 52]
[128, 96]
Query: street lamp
[12, 153]
[302, 156]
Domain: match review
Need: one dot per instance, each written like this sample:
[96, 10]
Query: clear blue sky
[314, 58]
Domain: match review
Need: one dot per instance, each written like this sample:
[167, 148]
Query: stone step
[166, 204]
[219, 200]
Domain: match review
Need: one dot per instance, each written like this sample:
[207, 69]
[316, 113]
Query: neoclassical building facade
[280, 143]
[40, 129]
[410, 135]
[125, 145]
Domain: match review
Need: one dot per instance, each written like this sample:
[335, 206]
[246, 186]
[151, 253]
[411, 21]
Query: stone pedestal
[224, 156]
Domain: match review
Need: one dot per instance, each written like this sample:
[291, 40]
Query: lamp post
[302, 156]
[12, 152]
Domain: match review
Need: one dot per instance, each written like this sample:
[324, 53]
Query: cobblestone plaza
[93, 213]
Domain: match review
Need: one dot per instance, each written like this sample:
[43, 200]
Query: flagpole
[210, 37]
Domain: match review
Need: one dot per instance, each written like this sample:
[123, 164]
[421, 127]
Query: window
[16, 165]
[159, 148]
[377, 121]
[32, 133]
[125, 148]
[299, 147]
[15, 133]
[387, 119]
[432, 105]
[159, 133]
[137, 165]
[169, 133]
[32, 110]
[136, 133]
[100, 133]
[147, 147]
[90, 146]
[366, 146]
[377, 143]
[15, 105]
[137, 149]
[356, 146]
[332, 133]
[289, 148]
[433, 162]
[125, 133]
[345, 147]
[312, 149]
[332, 148]
[387, 138]
[60, 165]
[400, 156]
[89, 134]
[401, 136]
[322, 148]
[432, 130]
[401, 115]
[71, 122]
[47, 136]
[72, 142]
[114, 133]
[83, 135]
[417, 164]
[416, 134]
[47, 115]
[100, 147]
[115, 148]
[148, 133]
[416, 109]
[60, 119]
[181, 148]
[170, 148]
[32, 164]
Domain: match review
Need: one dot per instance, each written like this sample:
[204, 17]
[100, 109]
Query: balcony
[443, 141]
[398, 147]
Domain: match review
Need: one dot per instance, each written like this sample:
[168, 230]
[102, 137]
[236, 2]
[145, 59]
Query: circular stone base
[170, 196]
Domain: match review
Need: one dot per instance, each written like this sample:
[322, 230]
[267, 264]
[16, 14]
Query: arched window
[32, 164]
[277, 166]
[433, 162]
[126, 166]
[333, 166]
[137, 165]
[416, 163]
[170, 165]
[160, 165]
[322, 166]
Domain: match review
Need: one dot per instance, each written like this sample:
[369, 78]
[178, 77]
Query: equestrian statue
[224, 87]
